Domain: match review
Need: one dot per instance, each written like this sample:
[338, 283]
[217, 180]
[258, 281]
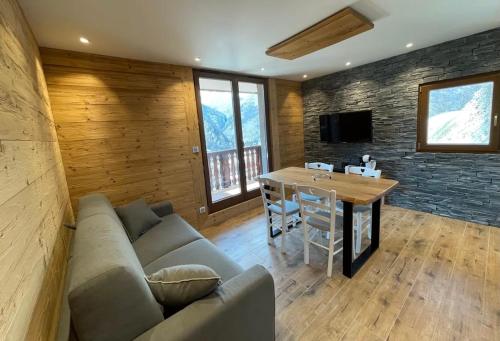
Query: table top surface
[352, 188]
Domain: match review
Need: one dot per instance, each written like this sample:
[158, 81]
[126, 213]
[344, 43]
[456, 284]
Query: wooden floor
[433, 278]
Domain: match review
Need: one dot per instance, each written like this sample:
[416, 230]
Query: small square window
[459, 115]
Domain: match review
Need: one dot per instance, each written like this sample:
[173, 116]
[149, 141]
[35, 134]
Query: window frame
[423, 115]
[234, 78]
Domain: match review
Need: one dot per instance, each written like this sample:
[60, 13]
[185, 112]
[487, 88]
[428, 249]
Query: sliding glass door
[233, 128]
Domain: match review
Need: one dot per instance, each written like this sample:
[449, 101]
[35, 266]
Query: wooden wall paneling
[273, 119]
[104, 63]
[126, 128]
[195, 140]
[34, 199]
[287, 116]
[43, 315]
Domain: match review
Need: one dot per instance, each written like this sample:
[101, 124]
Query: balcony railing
[223, 168]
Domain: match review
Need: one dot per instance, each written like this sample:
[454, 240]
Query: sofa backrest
[108, 296]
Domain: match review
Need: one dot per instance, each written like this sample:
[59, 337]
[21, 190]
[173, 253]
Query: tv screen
[346, 127]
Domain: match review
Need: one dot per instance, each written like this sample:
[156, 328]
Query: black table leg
[375, 225]
[350, 267]
[347, 247]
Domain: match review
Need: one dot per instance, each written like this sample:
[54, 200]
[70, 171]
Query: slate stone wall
[464, 186]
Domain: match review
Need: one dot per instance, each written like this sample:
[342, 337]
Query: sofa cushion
[137, 218]
[108, 296]
[180, 285]
[198, 252]
[172, 233]
[241, 309]
[162, 208]
[96, 203]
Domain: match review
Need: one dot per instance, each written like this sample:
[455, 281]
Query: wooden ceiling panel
[337, 27]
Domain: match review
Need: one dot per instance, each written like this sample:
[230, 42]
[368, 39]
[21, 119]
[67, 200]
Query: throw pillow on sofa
[137, 218]
[181, 285]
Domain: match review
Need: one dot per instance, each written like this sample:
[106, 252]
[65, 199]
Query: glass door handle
[495, 120]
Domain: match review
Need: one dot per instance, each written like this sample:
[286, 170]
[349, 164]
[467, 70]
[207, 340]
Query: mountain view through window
[460, 115]
[233, 167]
[218, 119]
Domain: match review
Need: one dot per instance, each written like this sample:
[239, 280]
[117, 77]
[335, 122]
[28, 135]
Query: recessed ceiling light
[348, 63]
[262, 69]
[409, 45]
[304, 76]
[84, 40]
[197, 59]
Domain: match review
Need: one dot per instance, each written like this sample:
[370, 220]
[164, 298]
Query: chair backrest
[324, 210]
[319, 165]
[364, 171]
[273, 193]
[371, 164]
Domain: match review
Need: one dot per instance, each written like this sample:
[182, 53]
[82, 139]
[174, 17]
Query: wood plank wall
[287, 123]
[34, 199]
[126, 128]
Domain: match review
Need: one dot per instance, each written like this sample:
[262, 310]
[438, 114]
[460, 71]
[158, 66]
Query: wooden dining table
[351, 190]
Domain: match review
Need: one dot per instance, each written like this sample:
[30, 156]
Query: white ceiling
[233, 35]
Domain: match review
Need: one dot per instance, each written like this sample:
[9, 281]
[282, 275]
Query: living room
[177, 170]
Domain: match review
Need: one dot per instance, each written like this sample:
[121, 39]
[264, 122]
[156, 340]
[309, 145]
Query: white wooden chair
[364, 171]
[319, 215]
[320, 166]
[279, 211]
[362, 213]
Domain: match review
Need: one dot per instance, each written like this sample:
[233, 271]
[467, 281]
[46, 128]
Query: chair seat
[362, 208]
[310, 197]
[290, 207]
[356, 209]
[340, 205]
[323, 225]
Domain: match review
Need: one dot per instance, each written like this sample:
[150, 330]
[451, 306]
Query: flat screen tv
[346, 127]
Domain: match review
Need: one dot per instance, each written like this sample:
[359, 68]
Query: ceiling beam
[339, 26]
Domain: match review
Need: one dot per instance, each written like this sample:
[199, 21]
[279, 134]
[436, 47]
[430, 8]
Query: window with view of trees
[459, 115]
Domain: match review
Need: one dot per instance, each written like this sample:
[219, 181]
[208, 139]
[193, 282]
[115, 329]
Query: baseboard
[233, 211]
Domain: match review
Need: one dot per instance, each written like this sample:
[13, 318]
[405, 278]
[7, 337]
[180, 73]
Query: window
[459, 115]
[233, 128]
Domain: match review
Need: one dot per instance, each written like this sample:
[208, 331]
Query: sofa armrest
[162, 208]
[240, 309]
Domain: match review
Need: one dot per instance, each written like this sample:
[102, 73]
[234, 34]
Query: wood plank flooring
[433, 278]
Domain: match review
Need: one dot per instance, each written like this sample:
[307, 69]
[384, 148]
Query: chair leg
[269, 229]
[306, 244]
[284, 227]
[331, 246]
[359, 232]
